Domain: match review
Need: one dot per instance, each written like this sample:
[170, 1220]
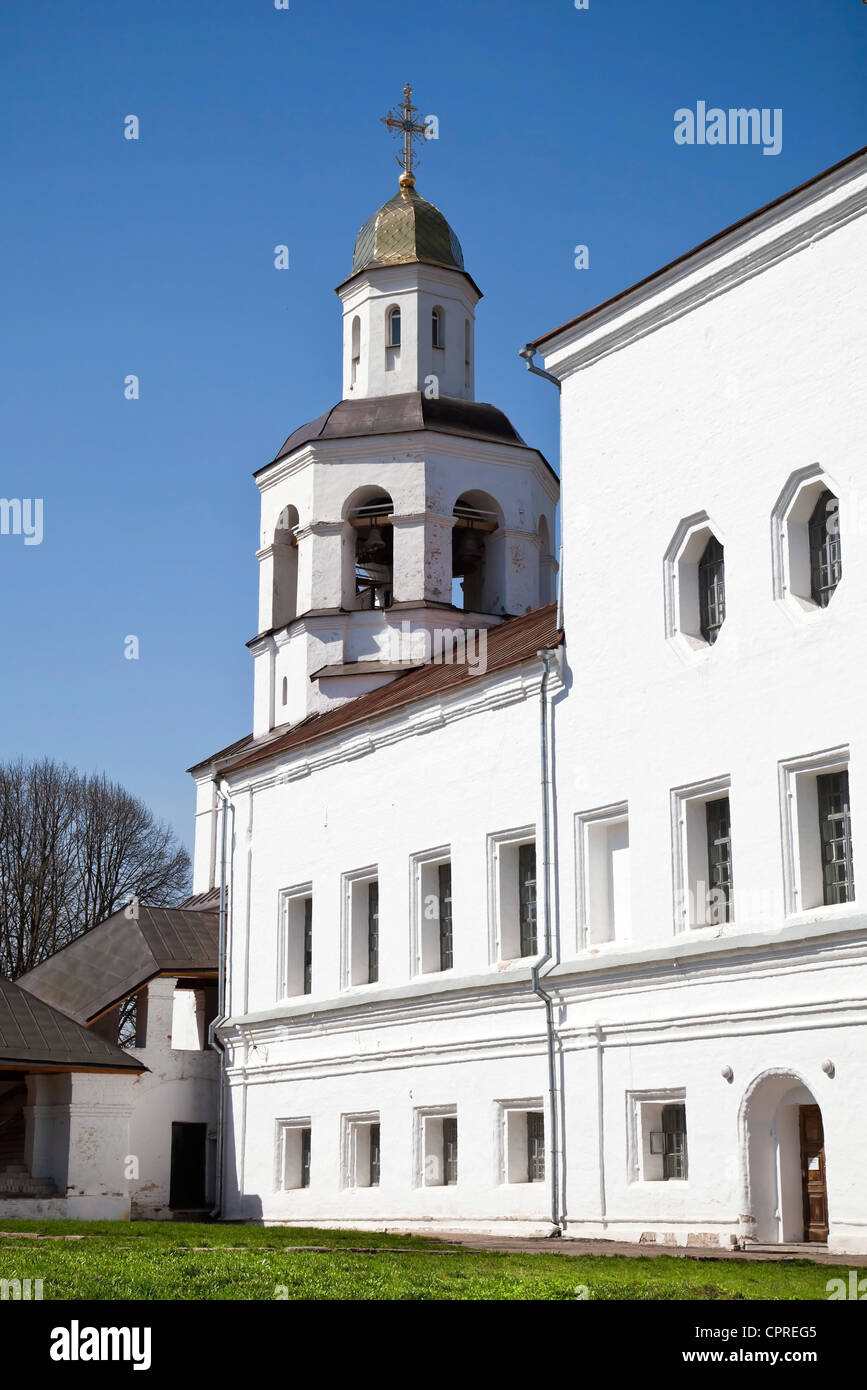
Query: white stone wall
[704, 394]
[416, 365]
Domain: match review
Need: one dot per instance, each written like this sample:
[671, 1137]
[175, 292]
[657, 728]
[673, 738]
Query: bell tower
[408, 514]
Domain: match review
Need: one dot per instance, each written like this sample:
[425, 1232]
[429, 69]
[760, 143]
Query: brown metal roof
[117, 957]
[702, 246]
[36, 1036]
[517, 640]
[198, 901]
[406, 413]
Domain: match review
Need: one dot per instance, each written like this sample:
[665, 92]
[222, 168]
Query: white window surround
[799, 816]
[511, 1146]
[689, 854]
[287, 1175]
[642, 1108]
[503, 903]
[790, 541]
[680, 586]
[355, 1166]
[602, 891]
[290, 940]
[424, 931]
[354, 926]
[427, 1144]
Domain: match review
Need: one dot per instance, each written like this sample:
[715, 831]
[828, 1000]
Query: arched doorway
[783, 1147]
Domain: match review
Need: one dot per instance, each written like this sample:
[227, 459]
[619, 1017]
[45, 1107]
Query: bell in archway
[468, 549]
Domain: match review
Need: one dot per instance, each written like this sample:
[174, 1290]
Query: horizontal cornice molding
[690, 284]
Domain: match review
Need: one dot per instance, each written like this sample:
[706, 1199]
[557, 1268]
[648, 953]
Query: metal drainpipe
[528, 353]
[546, 657]
[213, 1041]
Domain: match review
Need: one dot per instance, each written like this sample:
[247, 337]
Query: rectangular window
[445, 919]
[450, 1150]
[431, 897]
[361, 1150]
[719, 860]
[308, 945]
[296, 942]
[360, 935]
[817, 828]
[437, 1148]
[523, 1141]
[535, 1146]
[604, 884]
[835, 827]
[527, 891]
[373, 932]
[512, 894]
[293, 1154]
[702, 855]
[658, 1141]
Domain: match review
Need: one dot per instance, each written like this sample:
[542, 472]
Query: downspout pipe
[528, 353]
[213, 1038]
[550, 955]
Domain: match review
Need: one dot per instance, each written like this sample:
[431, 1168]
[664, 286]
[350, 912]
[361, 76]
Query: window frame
[296, 1129]
[352, 1125]
[288, 901]
[589, 827]
[504, 924]
[425, 932]
[355, 928]
[803, 877]
[641, 1108]
[690, 855]
[682, 591]
[425, 1143]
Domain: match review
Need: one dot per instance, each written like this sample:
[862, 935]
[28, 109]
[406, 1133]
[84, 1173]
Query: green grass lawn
[168, 1260]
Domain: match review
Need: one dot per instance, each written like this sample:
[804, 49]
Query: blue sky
[155, 257]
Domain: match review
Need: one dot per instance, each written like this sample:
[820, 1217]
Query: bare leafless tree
[73, 849]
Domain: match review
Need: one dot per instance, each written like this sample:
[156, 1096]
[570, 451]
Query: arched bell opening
[369, 540]
[284, 607]
[477, 518]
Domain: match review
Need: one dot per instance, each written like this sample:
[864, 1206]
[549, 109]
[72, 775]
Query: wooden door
[813, 1174]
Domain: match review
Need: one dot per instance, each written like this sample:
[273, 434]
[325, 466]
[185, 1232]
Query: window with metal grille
[670, 1142]
[535, 1146]
[305, 1158]
[826, 565]
[719, 861]
[373, 932]
[374, 1155]
[711, 590]
[450, 1149]
[445, 906]
[527, 898]
[308, 945]
[835, 829]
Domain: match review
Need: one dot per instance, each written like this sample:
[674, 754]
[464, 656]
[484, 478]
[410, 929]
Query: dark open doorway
[187, 1185]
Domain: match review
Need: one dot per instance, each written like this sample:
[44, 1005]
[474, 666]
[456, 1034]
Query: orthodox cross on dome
[403, 121]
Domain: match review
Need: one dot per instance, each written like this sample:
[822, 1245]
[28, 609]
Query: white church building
[548, 919]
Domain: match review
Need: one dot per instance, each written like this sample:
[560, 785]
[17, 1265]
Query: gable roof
[696, 250]
[33, 1035]
[112, 960]
[516, 641]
